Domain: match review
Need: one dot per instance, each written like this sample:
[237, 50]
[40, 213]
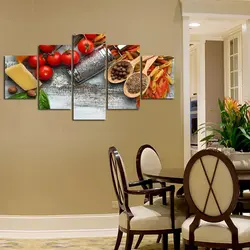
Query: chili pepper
[138, 102]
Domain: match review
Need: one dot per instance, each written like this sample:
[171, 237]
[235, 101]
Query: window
[233, 69]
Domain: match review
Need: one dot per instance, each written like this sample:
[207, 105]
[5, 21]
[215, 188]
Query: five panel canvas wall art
[89, 77]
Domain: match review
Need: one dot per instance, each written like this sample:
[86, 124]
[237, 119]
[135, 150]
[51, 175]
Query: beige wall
[52, 165]
[214, 61]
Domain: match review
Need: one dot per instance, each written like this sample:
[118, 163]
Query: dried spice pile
[134, 83]
[120, 71]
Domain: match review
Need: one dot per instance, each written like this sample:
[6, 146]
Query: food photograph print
[53, 73]
[124, 86]
[89, 77]
[89, 83]
[158, 78]
[19, 77]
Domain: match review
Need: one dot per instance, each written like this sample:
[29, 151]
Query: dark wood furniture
[211, 189]
[129, 216]
[148, 158]
[176, 175]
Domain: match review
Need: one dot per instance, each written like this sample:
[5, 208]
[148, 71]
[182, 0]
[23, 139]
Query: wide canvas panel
[89, 83]
[123, 62]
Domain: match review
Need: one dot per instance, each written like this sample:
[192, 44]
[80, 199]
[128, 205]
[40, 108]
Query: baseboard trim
[63, 226]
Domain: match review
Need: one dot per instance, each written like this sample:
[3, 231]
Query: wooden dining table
[176, 176]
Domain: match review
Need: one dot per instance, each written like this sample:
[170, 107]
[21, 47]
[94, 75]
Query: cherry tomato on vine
[32, 61]
[67, 57]
[85, 46]
[54, 59]
[45, 73]
[47, 48]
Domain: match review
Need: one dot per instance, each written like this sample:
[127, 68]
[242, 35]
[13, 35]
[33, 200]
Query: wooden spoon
[144, 73]
[131, 68]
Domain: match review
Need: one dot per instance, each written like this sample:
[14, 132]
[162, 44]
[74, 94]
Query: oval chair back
[211, 189]
[147, 159]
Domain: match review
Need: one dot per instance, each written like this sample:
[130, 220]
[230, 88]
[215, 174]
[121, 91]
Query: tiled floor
[106, 243]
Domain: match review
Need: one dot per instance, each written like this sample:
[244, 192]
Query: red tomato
[86, 46]
[90, 36]
[67, 57]
[32, 61]
[45, 73]
[54, 59]
[47, 48]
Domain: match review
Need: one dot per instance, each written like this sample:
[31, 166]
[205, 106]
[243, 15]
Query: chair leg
[118, 240]
[159, 238]
[129, 241]
[139, 241]
[177, 239]
[165, 241]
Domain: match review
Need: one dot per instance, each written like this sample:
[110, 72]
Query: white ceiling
[213, 27]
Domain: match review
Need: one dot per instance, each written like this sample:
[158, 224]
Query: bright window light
[194, 24]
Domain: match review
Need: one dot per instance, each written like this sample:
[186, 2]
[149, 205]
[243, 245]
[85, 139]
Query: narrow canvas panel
[123, 77]
[54, 74]
[158, 79]
[89, 82]
[19, 77]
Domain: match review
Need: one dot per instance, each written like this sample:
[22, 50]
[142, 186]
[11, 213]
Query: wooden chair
[145, 219]
[148, 159]
[211, 188]
[243, 205]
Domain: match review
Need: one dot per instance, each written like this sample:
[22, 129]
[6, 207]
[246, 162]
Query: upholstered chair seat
[152, 217]
[218, 232]
[159, 219]
[147, 159]
[180, 204]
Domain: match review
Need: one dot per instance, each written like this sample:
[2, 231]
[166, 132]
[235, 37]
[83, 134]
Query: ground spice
[134, 83]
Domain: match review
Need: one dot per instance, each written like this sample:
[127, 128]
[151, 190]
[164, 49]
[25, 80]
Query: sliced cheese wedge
[21, 76]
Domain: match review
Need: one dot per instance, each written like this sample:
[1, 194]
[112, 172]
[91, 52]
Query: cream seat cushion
[152, 217]
[218, 232]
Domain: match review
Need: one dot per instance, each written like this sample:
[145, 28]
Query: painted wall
[233, 7]
[52, 165]
[214, 61]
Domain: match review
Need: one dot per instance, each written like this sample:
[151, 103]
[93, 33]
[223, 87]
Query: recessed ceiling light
[194, 24]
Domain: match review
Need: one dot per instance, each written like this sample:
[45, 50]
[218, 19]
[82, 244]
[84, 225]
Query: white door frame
[186, 91]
